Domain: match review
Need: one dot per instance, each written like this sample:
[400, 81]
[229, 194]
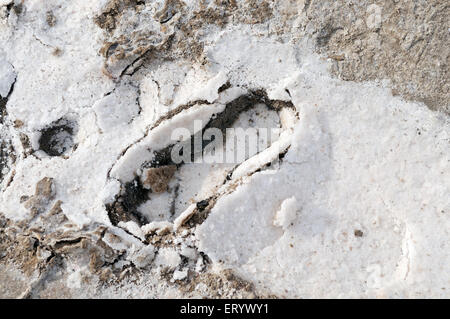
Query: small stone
[157, 178]
[50, 19]
[358, 233]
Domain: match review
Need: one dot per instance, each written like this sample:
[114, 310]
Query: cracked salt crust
[358, 207]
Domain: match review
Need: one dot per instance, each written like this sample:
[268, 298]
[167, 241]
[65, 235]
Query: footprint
[157, 186]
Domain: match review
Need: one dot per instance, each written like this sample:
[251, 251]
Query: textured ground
[354, 202]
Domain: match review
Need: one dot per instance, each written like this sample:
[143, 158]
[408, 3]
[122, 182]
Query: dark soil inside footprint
[124, 209]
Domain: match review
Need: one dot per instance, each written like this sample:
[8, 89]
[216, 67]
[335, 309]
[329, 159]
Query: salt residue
[371, 175]
[369, 171]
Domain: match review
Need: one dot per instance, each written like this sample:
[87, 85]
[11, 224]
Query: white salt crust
[358, 207]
